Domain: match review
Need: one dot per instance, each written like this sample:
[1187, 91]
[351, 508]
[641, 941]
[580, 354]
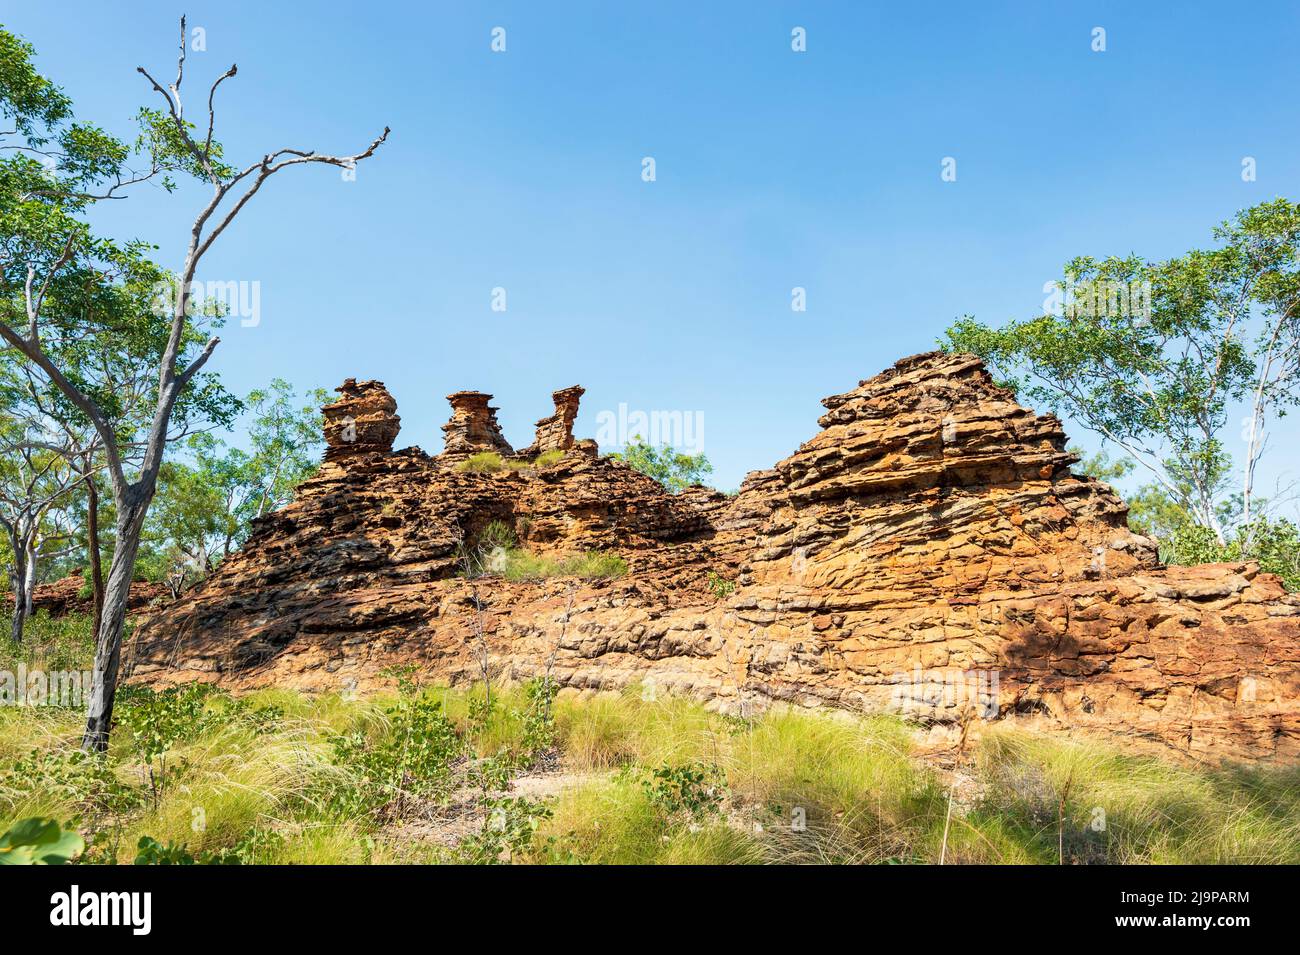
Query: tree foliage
[670, 467]
[1154, 356]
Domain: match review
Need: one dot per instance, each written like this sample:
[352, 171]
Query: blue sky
[774, 169]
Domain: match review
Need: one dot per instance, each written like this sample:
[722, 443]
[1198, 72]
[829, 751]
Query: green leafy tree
[1153, 355]
[670, 467]
[53, 174]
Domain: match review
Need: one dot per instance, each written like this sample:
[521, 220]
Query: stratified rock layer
[555, 433]
[364, 419]
[71, 595]
[929, 550]
[473, 427]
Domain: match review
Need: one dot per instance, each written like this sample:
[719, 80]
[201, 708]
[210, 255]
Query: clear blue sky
[774, 170]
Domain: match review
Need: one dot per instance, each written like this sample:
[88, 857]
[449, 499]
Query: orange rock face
[928, 551]
[66, 595]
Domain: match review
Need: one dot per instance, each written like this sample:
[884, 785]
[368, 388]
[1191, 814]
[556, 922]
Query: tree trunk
[108, 643]
[18, 579]
[92, 548]
[30, 589]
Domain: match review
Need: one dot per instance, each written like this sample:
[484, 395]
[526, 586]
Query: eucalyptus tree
[59, 171]
[33, 477]
[1155, 357]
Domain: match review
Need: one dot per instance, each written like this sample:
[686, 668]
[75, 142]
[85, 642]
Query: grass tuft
[644, 777]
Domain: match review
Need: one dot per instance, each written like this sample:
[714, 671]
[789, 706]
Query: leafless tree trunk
[134, 495]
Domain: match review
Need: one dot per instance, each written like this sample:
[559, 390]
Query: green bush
[593, 565]
[547, 458]
[485, 462]
[690, 790]
[52, 643]
[150, 851]
[155, 721]
[84, 783]
[509, 824]
[671, 468]
[722, 587]
[1274, 544]
[413, 760]
[496, 534]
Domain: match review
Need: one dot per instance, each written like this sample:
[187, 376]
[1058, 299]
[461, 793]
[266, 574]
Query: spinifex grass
[633, 777]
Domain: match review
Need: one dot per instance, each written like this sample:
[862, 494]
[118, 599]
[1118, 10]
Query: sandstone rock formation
[363, 419]
[555, 433]
[929, 551]
[473, 427]
[67, 595]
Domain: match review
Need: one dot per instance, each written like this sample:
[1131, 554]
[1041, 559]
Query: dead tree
[232, 190]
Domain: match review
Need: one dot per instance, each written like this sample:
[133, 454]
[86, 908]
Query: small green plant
[39, 842]
[689, 790]
[72, 776]
[509, 826]
[407, 676]
[413, 761]
[722, 587]
[149, 851]
[496, 534]
[257, 844]
[485, 462]
[538, 717]
[547, 458]
[155, 721]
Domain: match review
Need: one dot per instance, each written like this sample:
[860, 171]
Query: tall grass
[790, 786]
[1081, 801]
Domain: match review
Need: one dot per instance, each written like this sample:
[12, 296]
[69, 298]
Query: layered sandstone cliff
[929, 550]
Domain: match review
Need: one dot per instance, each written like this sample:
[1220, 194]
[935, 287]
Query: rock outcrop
[928, 551]
[555, 433]
[473, 427]
[68, 595]
[363, 420]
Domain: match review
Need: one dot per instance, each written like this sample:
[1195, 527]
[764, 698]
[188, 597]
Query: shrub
[413, 760]
[157, 721]
[485, 462]
[689, 790]
[522, 565]
[83, 783]
[671, 468]
[721, 586]
[507, 831]
[150, 851]
[547, 458]
[1275, 544]
[496, 534]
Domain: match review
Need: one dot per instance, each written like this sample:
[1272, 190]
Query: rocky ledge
[928, 551]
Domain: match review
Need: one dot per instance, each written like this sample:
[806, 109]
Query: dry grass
[792, 787]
